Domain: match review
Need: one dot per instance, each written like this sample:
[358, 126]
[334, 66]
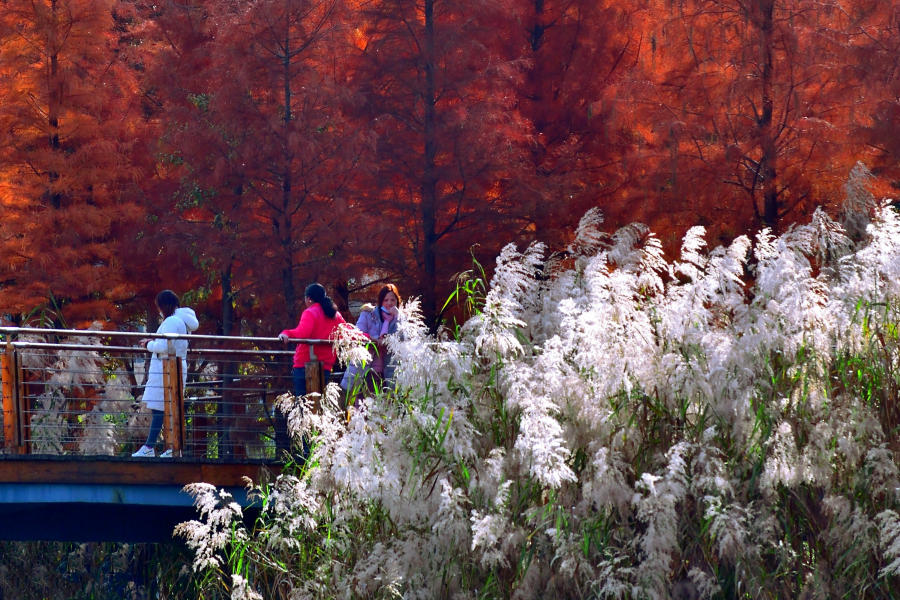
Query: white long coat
[182, 321]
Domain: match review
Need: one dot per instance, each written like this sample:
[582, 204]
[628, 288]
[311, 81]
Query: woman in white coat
[176, 320]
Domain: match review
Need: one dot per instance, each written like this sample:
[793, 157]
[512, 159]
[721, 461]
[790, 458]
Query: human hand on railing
[143, 343]
[282, 337]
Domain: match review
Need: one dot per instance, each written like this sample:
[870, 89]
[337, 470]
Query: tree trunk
[767, 139]
[539, 217]
[227, 298]
[226, 408]
[341, 294]
[287, 242]
[54, 102]
[282, 437]
[429, 183]
[537, 30]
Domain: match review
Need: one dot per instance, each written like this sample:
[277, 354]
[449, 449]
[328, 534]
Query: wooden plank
[143, 472]
[10, 424]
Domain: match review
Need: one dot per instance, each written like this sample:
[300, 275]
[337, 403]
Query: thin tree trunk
[54, 102]
[282, 438]
[287, 242]
[226, 408]
[227, 298]
[539, 217]
[767, 139]
[429, 183]
[341, 294]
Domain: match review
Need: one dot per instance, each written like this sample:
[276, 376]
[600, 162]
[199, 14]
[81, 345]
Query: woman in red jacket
[318, 322]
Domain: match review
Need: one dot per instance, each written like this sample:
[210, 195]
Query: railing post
[315, 379]
[10, 397]
[167, 401]
[173, 399]
[178, 404]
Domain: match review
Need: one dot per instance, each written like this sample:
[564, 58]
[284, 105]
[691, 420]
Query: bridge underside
[65, 498]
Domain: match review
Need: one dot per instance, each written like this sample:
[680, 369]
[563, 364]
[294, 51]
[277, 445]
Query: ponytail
[316, 293]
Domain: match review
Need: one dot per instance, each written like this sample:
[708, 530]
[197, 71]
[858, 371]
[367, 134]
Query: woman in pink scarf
[376, 324]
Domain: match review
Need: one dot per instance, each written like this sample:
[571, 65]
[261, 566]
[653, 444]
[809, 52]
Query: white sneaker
[144, 452]
[166, 454]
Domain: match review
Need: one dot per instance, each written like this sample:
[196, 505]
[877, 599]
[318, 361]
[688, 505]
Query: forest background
[237, 150]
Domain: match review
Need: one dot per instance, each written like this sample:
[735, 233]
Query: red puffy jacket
[316, 326]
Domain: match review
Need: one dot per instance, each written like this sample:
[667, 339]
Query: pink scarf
[386, 319]
[377, 364]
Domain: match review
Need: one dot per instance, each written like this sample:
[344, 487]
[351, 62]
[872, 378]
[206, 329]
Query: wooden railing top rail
[14, 331]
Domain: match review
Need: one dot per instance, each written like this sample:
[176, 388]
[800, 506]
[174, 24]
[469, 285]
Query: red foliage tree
[750, 110]
[874, 41]
[573, 55]
[69, 115]
[449, 139]
[239, 150]
[257, 138]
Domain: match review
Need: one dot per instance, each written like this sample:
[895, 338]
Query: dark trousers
[300, 380]
[156, 424]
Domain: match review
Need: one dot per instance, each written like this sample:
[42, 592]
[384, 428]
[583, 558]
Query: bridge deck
[100, 498]
[71, 417]
[126, 470]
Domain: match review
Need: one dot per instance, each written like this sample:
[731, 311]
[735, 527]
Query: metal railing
[79, 392]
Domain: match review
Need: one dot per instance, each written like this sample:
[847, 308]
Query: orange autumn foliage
[236, 151]
[69, 118]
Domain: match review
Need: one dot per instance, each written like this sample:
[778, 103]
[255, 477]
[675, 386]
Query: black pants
[156, 424]
[300, 380]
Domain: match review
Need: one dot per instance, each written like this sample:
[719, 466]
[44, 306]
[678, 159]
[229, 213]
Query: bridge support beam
[83, 499]
[99, 513]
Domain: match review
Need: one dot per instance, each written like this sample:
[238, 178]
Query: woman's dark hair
[167, 302]
[384, 292]
[316, 293]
